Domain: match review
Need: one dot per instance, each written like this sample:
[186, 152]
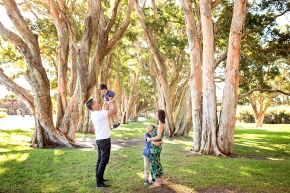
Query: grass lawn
[260, 164]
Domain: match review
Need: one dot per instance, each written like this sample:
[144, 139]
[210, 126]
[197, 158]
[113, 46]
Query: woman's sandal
[155, 185]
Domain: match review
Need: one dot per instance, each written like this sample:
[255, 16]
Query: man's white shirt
[101, 124]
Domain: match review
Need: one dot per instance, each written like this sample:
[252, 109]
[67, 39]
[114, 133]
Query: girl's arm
[159, 133]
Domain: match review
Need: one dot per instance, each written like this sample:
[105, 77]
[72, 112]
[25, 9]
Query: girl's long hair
[161, 115]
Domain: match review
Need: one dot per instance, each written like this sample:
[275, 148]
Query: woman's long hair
[161, 115]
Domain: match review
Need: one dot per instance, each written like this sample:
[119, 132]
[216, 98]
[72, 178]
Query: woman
[157, 134]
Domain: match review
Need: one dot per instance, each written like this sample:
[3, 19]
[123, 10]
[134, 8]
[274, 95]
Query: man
[102, 130]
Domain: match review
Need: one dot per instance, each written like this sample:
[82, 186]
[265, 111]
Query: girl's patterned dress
[156, 167]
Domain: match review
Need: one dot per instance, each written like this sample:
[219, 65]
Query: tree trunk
[209, 118]
[82, 83]
[230, 93]
[162, 83]
[36, 76]
[58, 15]
[259, 106]
[131, 101]
[193, 36]
[259, 121]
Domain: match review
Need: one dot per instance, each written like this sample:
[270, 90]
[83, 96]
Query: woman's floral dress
[156, 167]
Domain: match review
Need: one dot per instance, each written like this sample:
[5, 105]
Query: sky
[6, 22]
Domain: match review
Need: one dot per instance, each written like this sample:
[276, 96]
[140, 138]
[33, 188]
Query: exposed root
[78, 145]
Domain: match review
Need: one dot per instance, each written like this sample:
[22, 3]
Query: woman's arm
[157, 143]
[159, 133]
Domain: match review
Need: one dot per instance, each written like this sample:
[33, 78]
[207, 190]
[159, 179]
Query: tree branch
[269, 22]
[223, 57]
[214, 4]
[113, 18]
[262, 90]
[18, 90]
[266, 51]
[121, 31]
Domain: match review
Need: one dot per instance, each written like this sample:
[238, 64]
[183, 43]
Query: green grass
[261, 163]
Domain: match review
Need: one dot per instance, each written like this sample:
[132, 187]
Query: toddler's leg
[146, 167]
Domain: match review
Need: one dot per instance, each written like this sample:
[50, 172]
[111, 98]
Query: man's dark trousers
[104, 149]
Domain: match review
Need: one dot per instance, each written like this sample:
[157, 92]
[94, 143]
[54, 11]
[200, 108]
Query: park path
[16, 121]
[27, 122]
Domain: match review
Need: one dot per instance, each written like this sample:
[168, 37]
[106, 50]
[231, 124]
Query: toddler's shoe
[115, 126]
[146, 182]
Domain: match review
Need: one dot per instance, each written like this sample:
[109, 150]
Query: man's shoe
[106, 180]
[103, 185]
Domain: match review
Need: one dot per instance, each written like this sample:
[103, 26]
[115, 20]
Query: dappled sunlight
[115, 147]
[14, 141]
[262, 146]
[245, 173]
[177, 141]
[19, 138]
[17, 157]
[170, 186]
[2, 150]
[178, 187]
[58, 152]
[190, 171]
[275, 159]
[140, 174]
[3, 170]
[123, 129]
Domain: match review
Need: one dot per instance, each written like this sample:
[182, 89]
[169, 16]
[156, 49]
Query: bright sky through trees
[6, 22]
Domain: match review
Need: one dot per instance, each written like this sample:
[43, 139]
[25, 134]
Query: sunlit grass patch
[261, 164]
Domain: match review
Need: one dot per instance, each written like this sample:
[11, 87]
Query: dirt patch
[116, 143]
[222, 189]
[248, 157]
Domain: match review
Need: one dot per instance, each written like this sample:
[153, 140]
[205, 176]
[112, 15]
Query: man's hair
[103, 86]
[89, 104]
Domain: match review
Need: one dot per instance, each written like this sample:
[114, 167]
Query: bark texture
[194, 41]
[230, 93]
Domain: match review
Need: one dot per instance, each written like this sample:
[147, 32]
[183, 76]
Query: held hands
[148, 139]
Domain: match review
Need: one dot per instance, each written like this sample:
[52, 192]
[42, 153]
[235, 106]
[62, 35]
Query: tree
[86, 62]
[266, 88]
[209, 138]
[167, 62]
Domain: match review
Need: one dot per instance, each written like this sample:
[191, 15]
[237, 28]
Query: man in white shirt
[100, 121]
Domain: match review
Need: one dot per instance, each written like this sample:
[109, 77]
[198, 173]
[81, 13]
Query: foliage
[261, 157]
[3, 114]
[280, 115]
[274, 115]
[246, 116]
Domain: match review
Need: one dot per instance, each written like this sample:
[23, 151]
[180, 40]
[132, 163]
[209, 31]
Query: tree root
[78, 145]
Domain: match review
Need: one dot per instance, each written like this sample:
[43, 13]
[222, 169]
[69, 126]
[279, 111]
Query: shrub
[277, 115]
[3, 114]
[245, 116]
[273, 115]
